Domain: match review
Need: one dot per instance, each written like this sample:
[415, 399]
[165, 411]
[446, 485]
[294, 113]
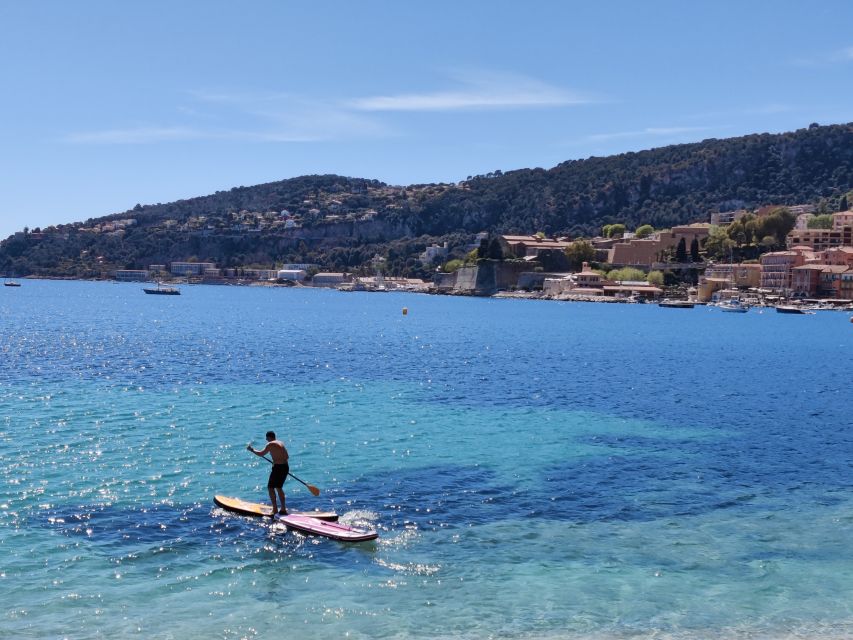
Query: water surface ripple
[535, 469]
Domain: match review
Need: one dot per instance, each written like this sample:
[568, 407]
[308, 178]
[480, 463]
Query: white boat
[676, 304]
[734, 306]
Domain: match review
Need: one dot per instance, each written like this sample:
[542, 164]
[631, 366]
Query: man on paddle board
[280, 469]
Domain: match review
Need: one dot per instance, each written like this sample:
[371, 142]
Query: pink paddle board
[333, 530]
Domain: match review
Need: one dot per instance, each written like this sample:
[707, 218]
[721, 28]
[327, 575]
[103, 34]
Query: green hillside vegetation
[341, 223]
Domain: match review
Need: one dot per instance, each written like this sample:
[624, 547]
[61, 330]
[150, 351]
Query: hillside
[341, 223]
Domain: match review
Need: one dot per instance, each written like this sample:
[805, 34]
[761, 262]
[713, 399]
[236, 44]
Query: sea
[535, 469]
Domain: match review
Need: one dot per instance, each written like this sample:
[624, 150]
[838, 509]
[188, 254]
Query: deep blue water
[535, 469]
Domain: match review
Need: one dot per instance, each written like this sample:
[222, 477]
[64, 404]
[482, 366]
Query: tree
[452, 265]
[631, 274]
[616, 230]
[768, 242]
[694, 251]
[578, 252]
[778, 224]
[718, 245]
[655, 278]
[842, 205]
[750, 224]
[820, 222]
[681, 251]
[644, 231]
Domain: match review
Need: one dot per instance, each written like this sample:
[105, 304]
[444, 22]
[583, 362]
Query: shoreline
[828, 304]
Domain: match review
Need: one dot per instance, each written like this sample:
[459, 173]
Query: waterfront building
[805, 279]
[329, 279]
[297, 275]
[831, 281]
[776, 268]
[190, 268]
[260, 274]
[131, 275]
[587, 278]
[846, 285]
[718, 277]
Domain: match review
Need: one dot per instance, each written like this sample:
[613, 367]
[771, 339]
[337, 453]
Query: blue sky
[109, 104]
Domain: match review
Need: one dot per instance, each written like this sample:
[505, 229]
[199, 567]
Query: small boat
[789, 308]
[11, 283]
[734, 305]
[162, 290]
[676, 304]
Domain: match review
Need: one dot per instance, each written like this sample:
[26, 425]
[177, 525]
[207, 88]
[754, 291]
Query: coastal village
[816, 266]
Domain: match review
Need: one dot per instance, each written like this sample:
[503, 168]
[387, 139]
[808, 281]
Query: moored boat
[789, 308]
[733, 305]
[162, 290]
[676, 304]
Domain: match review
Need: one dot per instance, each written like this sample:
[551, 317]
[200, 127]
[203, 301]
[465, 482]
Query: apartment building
[777, 267]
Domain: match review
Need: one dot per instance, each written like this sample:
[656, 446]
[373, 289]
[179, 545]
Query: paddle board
[334, 530]
[256, 509]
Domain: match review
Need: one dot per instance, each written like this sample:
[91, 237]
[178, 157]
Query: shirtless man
[280, 469]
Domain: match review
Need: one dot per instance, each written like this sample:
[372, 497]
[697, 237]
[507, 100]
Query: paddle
[314, 490]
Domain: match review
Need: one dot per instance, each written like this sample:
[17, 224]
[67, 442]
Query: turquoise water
[535, 469]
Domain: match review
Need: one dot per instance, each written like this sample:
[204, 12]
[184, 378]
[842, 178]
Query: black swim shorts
[278, 475]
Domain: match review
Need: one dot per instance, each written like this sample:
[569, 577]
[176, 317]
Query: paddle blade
[314, 490]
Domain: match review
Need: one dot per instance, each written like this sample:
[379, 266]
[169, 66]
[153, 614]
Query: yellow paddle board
[257, 509]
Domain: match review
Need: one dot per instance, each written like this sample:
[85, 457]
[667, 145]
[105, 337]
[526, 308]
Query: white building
[190, 268]
[297, 275]
[131, 275]
[433, 253]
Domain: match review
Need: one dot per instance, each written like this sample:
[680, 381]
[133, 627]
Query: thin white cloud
[648, 132]
[839, 56]
[282, 117]
[138, 135]
[250, 118]
[485, 91]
